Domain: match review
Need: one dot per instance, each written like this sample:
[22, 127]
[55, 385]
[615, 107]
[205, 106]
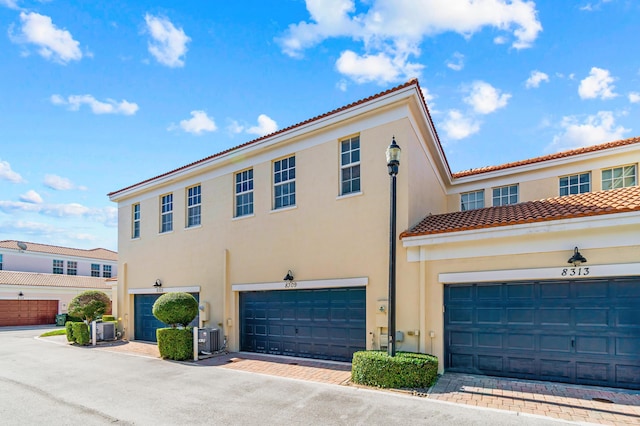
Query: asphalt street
[42, 382]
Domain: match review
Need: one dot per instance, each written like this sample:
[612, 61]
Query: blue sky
[97, 96]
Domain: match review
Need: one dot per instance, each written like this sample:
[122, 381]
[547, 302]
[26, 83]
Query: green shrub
[176, 309]
[405, 370]
[68, 326]
[108, 318]
[81, 333]
[175, 343]
[73, 319]
[89, 305]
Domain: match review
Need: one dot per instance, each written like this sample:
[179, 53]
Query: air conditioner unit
[208, 340]
[106, 331]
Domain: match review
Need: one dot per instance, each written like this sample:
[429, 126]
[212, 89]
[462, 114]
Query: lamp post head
[393, 157]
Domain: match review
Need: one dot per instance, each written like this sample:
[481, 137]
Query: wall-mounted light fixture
[158, 283]
[577, 258]
[289, 276]
[20, 295]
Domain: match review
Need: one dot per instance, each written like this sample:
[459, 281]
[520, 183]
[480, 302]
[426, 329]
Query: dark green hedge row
[405, 370]
[175, 343]
[78, 332]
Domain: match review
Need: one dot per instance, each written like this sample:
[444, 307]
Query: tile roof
[96, 253]
[567, 207]
[52, 280]
[564, 154]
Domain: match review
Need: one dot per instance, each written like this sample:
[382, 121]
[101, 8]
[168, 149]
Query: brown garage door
[28, 312]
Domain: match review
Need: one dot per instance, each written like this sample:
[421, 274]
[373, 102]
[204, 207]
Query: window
[166, 213]
[575, 184]
[0, 262]
[106, 271]
[135, 230]
[58, 266]
[194, 199]
[284, 182]
[505, 195]
[472, 200]
[72, 267]
[619, 177]
[244, 193]
[95, 270]
[350, 165]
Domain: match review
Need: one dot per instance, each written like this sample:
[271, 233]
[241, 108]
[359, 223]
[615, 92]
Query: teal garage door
[145, 323]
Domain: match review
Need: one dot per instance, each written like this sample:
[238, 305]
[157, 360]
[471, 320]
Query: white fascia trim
[192, 289]
[593, 271]
[303, 285]
[562, 225]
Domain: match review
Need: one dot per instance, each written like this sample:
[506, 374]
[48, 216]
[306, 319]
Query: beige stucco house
[483, 279]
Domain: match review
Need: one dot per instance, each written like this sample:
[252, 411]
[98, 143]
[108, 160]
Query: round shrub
[89, 305]
[405, 370]
[176, 309]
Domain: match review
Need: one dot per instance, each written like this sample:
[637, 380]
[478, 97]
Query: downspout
[422, 342]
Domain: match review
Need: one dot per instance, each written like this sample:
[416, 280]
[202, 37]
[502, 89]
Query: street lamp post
[393, 163]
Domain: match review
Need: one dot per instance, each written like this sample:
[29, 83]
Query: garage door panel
[592, 317]
[627, 317]
[555, 343]
[490, 340]
[520, 316]
[490, 363]
[628, 374]
[489, 315]
[522, 366]
[628, 346]
[592, 372]
[592, 345]
[555, 369]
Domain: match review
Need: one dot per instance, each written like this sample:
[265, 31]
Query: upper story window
[72, 267]
[95, 269]
[575, 184]
[194, 202]
[244, 193]
[350, 165]
[0, 262]
[284, 182]
[58, 266]
[135, 224]
[619, 177]
[505, 195]
[106, 271]
[166, 213]
[472, 200]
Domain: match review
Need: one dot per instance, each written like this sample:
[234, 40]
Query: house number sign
[575, 272]
[290, 284]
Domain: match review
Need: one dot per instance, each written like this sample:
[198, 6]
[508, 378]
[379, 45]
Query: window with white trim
[619, 177]
[194, 203]
[95, 269]
[72, 267]
[0, 262]
[472, 200]
[166, 213]
[575, 184]
[244, 193]
[350, 165]
[284, 182]
[135, 224]
[58, 266]
[505, 195]
[106, 271]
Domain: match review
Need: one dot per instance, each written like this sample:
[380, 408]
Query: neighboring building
[482, 275]
[37, 281]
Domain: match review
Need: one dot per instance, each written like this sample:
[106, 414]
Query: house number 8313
[574, 272]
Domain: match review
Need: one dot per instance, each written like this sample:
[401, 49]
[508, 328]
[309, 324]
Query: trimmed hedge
[175, 343]
[176, 309]
[68, 326]
[405, 370]
[80, 333]
[108, 318]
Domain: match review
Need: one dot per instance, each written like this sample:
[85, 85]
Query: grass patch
[58, 332]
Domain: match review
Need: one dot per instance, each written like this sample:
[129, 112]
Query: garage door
[585, 332]
[323, 323]
[145, 323]
[28, 312]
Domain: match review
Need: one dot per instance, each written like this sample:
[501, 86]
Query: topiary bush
[80, 333]
[405, 370]
[175, 343]
[89, 305]
[68, 327]
[176, 309]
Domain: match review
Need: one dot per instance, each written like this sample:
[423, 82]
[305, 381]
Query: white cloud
[485, 99]
[31, 196]
[54, 44]
[458, 126]
[380, 68]
[60, 183]
[342, 85]
[535, 79]
[234, 127]
[11, 4]
[593, 130]
[168, 44]
[110, 106]
[105, 215]
[599, 84]
[265, 126]
[456, 63]
[428, 97]
[634, 97]
[6, 173]
[198, 123]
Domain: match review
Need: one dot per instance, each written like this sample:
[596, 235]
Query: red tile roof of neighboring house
[567, 207]
[302, 123]
[96, 253]
[52, 280]
[563, 154]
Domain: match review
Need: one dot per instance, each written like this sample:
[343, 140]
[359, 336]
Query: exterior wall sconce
[158, 285]
[577, 258]
[289, 276]
[20, 296]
